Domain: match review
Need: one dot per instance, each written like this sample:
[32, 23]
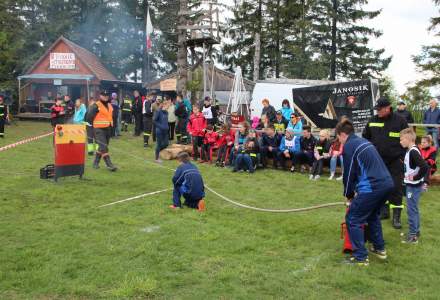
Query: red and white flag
[149, 31]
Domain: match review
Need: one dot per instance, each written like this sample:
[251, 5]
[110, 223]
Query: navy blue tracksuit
[160, 120]
[188, 182]
[365, 175]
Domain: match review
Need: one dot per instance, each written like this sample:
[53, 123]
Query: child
[255, 122]
[57, 113]
[196, 127]
[415, 171]
[209, 112]
[280, 123]
[3, 116]
[307, 142]
[287, 110]
[188, 182]
[321, 153]
[290, 147]
[115, 104]
[224, 144]
[264, 123]
[270, 143]
[209, 142]
[429, 154]
[160, 121]
[239, 140]
[335, 155]
[247, 157]
[80, 112]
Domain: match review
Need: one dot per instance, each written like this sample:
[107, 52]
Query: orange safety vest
[104, 117]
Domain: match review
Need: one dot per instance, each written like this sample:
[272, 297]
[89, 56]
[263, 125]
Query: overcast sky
[404, 24]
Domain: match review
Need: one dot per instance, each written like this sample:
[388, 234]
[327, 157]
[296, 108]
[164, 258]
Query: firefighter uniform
[126, 114]
[384, 134]
[147, 119]
[91, 146]
[101, 116]
[3, 117]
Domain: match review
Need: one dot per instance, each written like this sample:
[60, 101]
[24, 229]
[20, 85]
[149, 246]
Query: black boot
[396, 218]
[385, 212]
[97, 160]
[109, 164]
[146, 141]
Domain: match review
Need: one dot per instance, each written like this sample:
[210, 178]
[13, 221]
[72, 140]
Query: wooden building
[65, 69]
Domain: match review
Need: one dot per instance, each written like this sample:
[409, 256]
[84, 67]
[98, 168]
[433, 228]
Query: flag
[148, 31]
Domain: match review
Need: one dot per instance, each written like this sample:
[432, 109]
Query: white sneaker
[317, 177]
[158, 161]
[339, 178]
[331, 177]
[311, 177]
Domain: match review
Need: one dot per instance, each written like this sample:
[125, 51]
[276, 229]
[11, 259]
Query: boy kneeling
[188, 182]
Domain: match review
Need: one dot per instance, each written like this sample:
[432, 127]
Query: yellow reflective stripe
[397, 206]
[102, 122]
[147, 134]
[126, 109]
[377, 124]
[253, 155]
[319, 147]
[394, 134]
[1, 115]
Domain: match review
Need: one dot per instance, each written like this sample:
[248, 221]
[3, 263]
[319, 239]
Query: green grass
[56, 243]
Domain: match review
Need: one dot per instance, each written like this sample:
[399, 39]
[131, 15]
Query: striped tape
[10, 146]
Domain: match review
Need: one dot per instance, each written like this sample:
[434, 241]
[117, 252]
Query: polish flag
[149, 31]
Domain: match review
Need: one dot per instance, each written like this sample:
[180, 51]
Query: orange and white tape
[10, 146]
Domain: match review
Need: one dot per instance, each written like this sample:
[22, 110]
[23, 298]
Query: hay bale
[435, 180]
[172, 151]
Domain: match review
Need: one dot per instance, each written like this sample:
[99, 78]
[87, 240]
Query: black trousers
[318, 166]
[171, 129]
[102, 138]
[396, 169]
[137, 124]
[2, 127]
[181, 133]
[265, 154]
[197, 142]
[148, 127]
[126, 117]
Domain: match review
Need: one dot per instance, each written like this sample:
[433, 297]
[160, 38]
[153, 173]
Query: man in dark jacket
[367, 184]
[432, 116]
[383, 131]
[147, 118]
[402, 112]
[188, 182]
[268, 110]
[160, 120]
[270, 144]
[307, 144]
[137, 112]
[182, 121]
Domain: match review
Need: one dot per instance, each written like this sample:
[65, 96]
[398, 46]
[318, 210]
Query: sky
[404, 24]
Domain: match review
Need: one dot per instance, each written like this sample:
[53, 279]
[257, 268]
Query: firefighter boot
[385, 212]
[109, 164]
[146, 138]
[97, 160]
[396, 218]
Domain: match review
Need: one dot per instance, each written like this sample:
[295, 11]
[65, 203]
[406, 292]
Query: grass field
[56, 243]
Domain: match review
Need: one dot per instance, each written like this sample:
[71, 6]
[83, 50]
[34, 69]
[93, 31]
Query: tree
[387, 89]
[343, 41]
[428, 62]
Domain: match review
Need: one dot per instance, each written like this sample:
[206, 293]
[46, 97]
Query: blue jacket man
[432, 116]
[367, 184]
[188, 182]
[160, 121]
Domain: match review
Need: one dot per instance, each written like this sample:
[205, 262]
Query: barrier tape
[10, 146]
[134, 198]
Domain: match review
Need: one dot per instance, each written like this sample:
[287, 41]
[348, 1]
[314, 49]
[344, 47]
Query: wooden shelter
[65, 69]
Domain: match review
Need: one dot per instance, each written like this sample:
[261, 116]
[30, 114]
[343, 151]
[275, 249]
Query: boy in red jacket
[209, 143]
[57, 113]
[196, 127]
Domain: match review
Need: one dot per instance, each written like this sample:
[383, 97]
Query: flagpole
[148, 50]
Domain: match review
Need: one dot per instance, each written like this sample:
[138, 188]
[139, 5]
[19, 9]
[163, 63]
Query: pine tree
[343, 42]
[428, 62]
